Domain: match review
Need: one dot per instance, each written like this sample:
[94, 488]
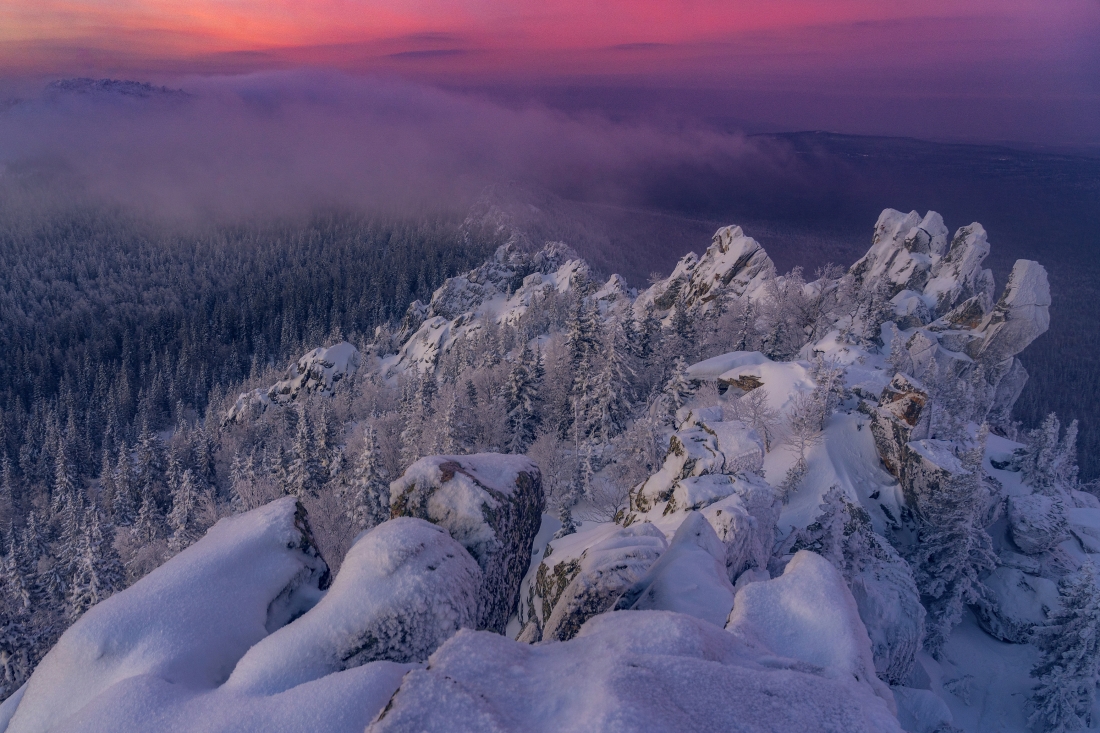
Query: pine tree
[1070, 667]
[98, 570]
[953, 549]
[1049, 460]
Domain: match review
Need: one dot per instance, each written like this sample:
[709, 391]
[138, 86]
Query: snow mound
[643, 671]
[404, 588]
[189, 621]
[690, 577]
[583, 574]
[492, 505]
[809, 614]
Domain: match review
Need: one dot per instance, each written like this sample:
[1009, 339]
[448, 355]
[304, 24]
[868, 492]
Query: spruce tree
[123, 510]
[523, 400]
[1070, 667]
[367, 500]
[613, 390]
[304, 476]
[182, 520]
[677, 389]
[953, 550]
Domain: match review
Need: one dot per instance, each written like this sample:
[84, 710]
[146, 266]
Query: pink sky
[1022, 52]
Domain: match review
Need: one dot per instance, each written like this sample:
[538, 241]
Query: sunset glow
[491, 37]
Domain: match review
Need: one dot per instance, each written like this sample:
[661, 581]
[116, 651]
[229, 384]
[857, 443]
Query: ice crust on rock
[1036, 522]
[690, 577]
[189, 621]
[1014, 603]
[583, 574]
[492, 505]
[404, 588]
[641, 671]
[809, 614]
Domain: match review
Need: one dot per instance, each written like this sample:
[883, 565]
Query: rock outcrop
[318, 371]
[492, 505]
[189, 621]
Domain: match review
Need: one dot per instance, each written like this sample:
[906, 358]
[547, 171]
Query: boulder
[404, 588]
[492, 505]
[1014, 604]
[189, 621]
[642, 671]
[690, 577]
[889, 605]
[809, 614]
[1036, 522]
[583, 575]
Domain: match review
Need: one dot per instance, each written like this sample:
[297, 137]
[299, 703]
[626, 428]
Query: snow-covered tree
[98, 571]
[305, 473]
[183, 522]
[366, 495]
[1070, 667]
[752, 408]
[1049, 459]
[523, 402]
[953, 549]
[123, 510]
[677, 389]
[612, 394]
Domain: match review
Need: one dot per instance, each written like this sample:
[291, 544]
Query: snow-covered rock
[715, 450]
[317, 371]
[1036, 522]
[583, 574]
[1020, 316]
[920, 711]
[959, 275]
[1014, 603]
[404, 588]
[899, 418]
[1084, 523]
[642, 671]
[492, 505]
[189, 621]
[809, 614]
[745, 522]
[690, 577]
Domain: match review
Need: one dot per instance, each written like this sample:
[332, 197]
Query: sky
[974, 70]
